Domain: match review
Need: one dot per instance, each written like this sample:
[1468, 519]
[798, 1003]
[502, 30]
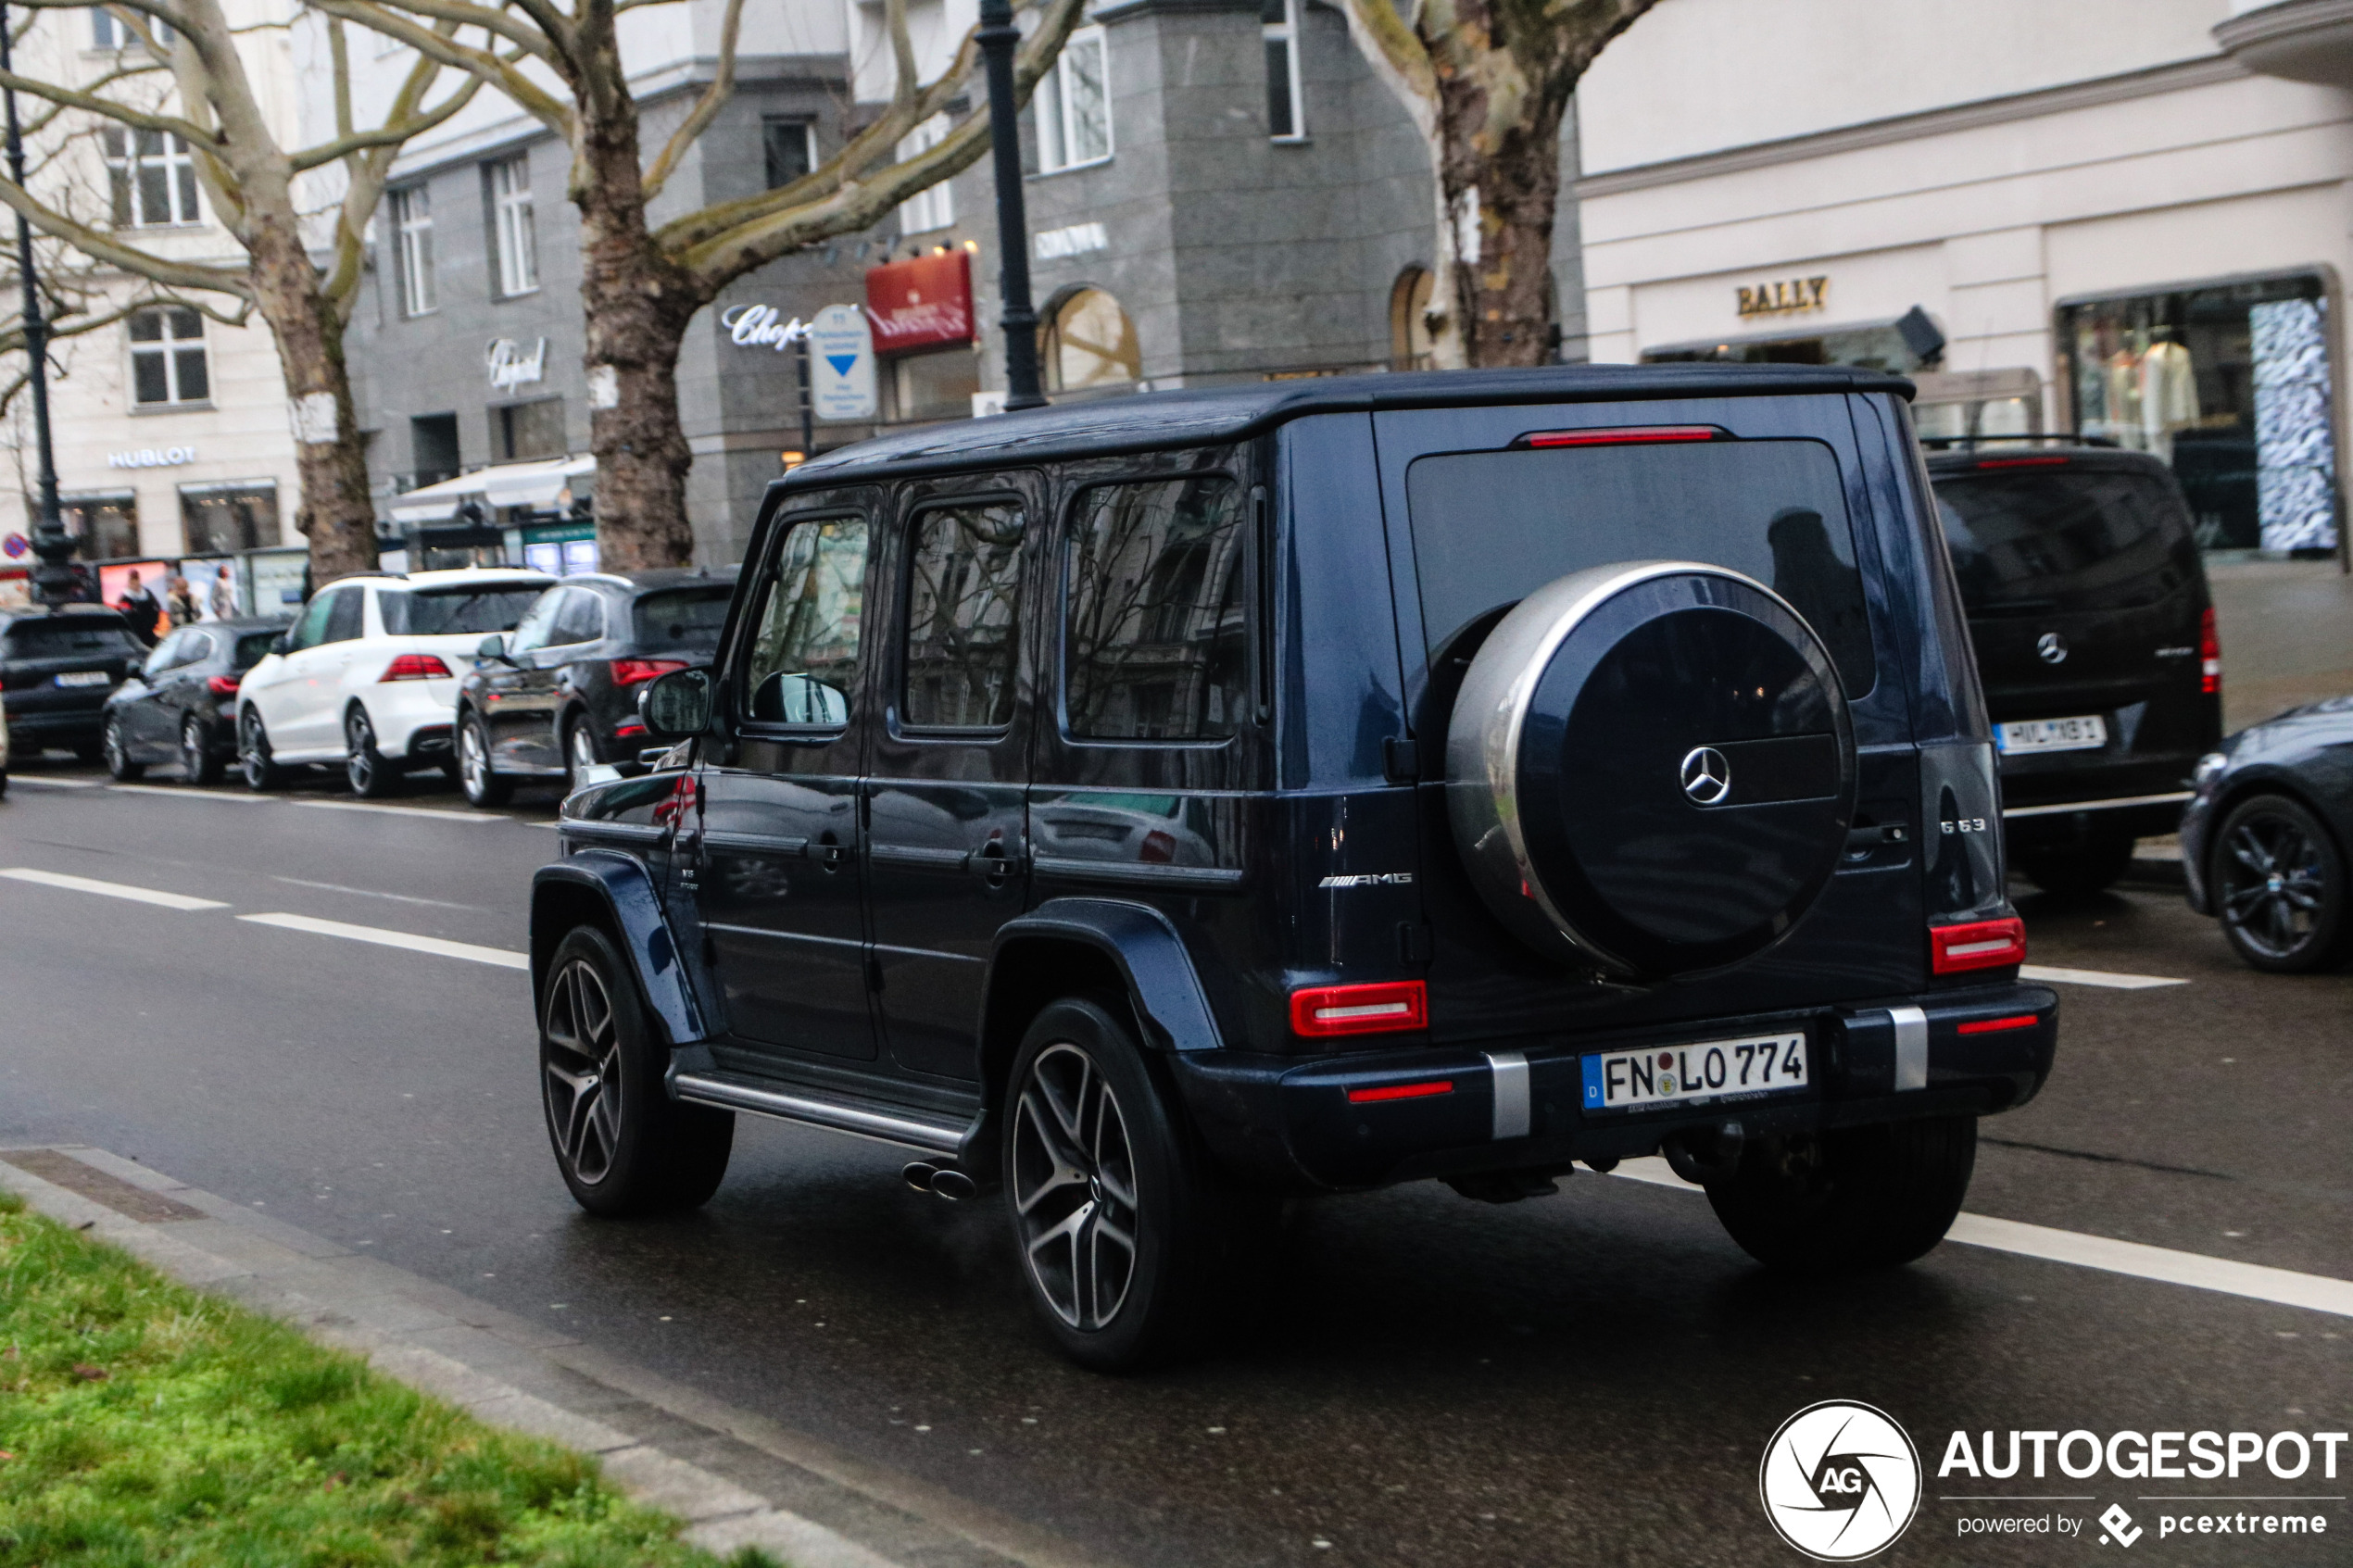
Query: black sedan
[181, 704]
[559, 695]
[57, 669]
[2264, 840]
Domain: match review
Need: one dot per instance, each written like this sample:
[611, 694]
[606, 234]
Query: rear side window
[1490, 528]
[687, 617]
[68, 637]
[435, 612]
[580, 618]
[2031, 540]
[963, 615]
[253, 647]
[1156, 643]
[343, 617]
[810, 630]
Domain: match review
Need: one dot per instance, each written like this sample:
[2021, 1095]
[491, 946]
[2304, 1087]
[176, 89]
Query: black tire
[371, 777]
[485, 787]
[200, 764]
[622, 1145]
[2280, 887]
[253, 763]
[89, 751]
[115, 748]
[1856, 1198]
[1093, 1153]
[2078, 871]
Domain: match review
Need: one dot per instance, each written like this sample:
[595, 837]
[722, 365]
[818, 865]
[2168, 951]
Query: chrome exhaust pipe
[953, 1184]
[920, 1174]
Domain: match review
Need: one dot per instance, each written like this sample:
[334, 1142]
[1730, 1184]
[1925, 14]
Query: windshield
[67, 637]
[683, 617]
[477, 607]
[1490, 528]
[2033, 540]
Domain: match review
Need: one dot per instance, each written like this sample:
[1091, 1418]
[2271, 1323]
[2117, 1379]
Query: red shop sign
[922, 303]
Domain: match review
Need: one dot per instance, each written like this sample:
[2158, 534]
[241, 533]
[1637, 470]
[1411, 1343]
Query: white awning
[535, 485]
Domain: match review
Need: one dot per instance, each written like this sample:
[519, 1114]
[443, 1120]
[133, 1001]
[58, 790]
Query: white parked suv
[368, 676]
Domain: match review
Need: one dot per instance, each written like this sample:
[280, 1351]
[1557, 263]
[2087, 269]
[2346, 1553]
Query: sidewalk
[2287, 635]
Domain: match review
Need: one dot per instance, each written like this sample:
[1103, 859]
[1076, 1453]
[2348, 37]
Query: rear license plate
[82, 678]
[1671, 1074]
[2086, 734]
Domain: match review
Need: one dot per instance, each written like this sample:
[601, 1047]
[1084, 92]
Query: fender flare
[1172, 1010]
[621, 887]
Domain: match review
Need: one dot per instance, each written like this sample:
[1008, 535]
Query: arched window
[1088, 341]
[1409, 321]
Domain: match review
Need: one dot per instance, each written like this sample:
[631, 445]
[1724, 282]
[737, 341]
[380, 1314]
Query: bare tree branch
[503, 73]
[68, 98]
[714, 97]
[102, 246]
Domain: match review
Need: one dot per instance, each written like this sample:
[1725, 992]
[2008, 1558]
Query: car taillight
[1622, 435]
[630, 728]
[1374, 1095]
[1159, 848]
[221, 686]
[1381, 1007]
[1980, 944]
[415, 667]
[637, 671]
[2210, 653]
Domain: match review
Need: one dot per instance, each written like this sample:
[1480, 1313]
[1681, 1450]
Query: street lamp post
[53, 579]
[998, 37]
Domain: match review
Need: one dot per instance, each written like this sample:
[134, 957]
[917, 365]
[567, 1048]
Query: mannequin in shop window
[2168, 393]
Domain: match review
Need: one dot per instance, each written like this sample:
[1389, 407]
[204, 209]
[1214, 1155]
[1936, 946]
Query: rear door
[505, 692]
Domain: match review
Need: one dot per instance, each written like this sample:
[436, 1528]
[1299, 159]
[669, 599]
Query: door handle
[995, 862]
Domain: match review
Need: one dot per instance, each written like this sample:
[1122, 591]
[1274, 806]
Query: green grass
[144, 1424]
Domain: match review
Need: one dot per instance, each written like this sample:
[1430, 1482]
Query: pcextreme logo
[1840, 1481]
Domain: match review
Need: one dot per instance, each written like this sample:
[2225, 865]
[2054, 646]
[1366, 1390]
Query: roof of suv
[1215, 415]
[459, 576]
[657, 579]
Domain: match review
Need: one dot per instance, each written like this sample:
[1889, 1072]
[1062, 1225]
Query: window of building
[934, 207]
[1089, 342]
[805, 651]
[1285, 114]
[517, 236]
[1409, 347]
[1156, 642]
[168, 357]
[433, 449]
[963, 615]
[412, 229]
[151, 179]
[103, 527]
[521, 431]
[789, 147]
[2230, 385]
[1074, 104]
[1871, 347]
[111, 32]
[935, 386]
[218, 519]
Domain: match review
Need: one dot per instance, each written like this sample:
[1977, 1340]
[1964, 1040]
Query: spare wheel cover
[1650, 768]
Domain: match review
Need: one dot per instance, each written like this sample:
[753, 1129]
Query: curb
[727, 1473]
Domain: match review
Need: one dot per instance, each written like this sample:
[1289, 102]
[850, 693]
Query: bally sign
[921, 304]
[1785, 298]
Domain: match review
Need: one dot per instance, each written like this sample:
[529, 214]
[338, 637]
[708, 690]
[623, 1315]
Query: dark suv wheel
[120, 767]
[2280, 886]
[1857, 1198]
[484, 788]
[624, 1145]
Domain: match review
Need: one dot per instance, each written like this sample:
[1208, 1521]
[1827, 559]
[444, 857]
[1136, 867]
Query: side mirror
[282, 643]
[491, 647]
[677, 706]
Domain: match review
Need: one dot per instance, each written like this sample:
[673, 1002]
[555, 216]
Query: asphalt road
[1589, 1378]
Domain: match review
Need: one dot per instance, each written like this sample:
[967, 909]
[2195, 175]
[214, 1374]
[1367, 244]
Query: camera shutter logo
[1840, 1481]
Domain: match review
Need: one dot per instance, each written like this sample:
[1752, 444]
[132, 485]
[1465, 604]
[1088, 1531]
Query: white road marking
[400, 811]
[112, 889]
[2101, 977]
[2318, 1293]
[52, 784]
[183, 792]
[501, 957]
[371, 893]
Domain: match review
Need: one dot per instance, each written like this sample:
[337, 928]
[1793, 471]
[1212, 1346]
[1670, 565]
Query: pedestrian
[224, 593]
[139, 607]
[179, 602]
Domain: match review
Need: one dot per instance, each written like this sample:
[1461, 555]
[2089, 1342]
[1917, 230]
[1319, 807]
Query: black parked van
[1153, 807]
[2095, 632]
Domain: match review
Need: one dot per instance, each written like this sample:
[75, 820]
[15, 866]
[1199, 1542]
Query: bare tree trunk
[1499, 171]
[337, 515]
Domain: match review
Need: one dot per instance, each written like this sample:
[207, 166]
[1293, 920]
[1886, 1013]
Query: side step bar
[908, 1129]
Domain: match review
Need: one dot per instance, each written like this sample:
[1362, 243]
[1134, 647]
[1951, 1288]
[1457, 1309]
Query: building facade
[2113, 217]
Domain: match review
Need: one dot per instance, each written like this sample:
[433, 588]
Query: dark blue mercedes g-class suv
[1147, 808]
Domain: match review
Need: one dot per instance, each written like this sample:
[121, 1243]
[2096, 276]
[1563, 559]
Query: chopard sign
[761, 326]
[1784, 296]
[511, 367]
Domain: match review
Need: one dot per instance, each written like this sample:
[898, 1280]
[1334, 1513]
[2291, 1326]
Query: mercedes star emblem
[2051, 649]
[1707, 777]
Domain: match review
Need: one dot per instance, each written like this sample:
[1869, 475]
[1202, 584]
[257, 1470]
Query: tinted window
[963, 615]
[683, 617]
[434, 612]
[344, 618]
[67, 637]
[805, 652]
[311, 630]
[537, 624]
[1156, 646]
[1490, 528]
[2035, 539]
[580, 618]
[252, 648]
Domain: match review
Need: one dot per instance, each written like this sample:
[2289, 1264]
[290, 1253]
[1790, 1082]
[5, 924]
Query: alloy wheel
[192, 759]
[581, 753]
[1074, 1193]
[474, 762]
[118, 761]
[2274, 884]
[360, 761]
[582, 1072]
[253, 752]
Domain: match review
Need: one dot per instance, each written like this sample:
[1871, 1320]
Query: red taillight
[1379, 1009]
[1159, 848]
[1997, 1025]
[631, 728]
[1981, 944]
[1623, 435]
[1401, 1091]
[637, 671]
[2020, 462]
[2210, 653]
[221, 686]
[415, 667]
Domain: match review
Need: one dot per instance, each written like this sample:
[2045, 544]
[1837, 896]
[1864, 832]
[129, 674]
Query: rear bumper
[39, 726]
[1517, 1104]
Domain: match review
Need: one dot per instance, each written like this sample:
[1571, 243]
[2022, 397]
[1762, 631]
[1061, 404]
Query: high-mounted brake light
[1623, 435]
[221, 686]
[1997, 1025]
[2210, 653]
[1402, 1091]
[1381, 1007]
[2020, 462]
[415, 667]
[1980, 943]
[637, 671]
